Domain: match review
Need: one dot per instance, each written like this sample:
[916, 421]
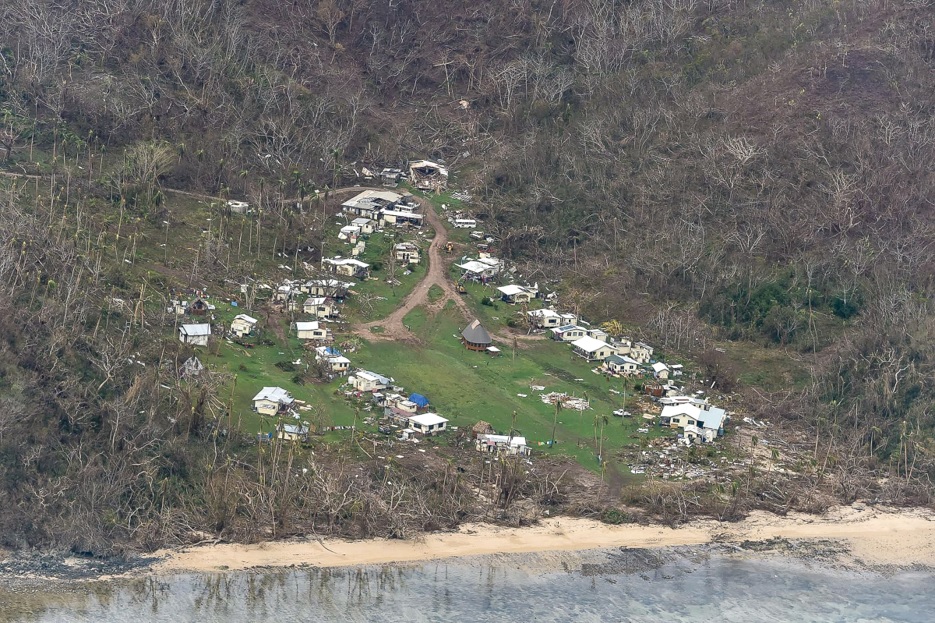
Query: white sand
[876, 536]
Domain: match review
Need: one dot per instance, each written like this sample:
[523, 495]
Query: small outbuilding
[243, 325]
[311, 331]
[272, 400]
[292, 432]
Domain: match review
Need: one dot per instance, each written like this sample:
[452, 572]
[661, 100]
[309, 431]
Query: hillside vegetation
[757, 172]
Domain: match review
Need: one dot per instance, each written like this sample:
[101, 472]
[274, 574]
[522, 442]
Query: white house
[195, 334]
[641, 351]
[243, 325]
[502, 443]
[598, 334]
[569, 333]
[369, 203]
[292, 432]
[710, 421]
[333, 360]
[517, 294]
[349, 232]
[364, 225]
[591, 349]
[428, 423]
[480, 269]
[406, 252]
[660, 371]
[311, 331]
[366, 381]
[549, 318]
[347, 266]
[272, 400]
[399, 217]
[621, 364]
[320, 307]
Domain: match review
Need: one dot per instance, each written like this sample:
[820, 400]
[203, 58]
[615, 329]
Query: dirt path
[393, 327]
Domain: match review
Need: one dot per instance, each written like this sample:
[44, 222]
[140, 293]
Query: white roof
[274, 394]
[479, 266]
[196, 329]
[342, 359]
[402, 213]
[516, 441]
[373, 376]
[671, 411]
[345, 260]
[590, 345]
[363, 220]
[315, 300]
[659, 367]
[427, 419]
[368, 195]
[306, 326]
[512, 290]
[245, 318]
[712, 418]
[350, 229]
[332, 283]
[544, 313]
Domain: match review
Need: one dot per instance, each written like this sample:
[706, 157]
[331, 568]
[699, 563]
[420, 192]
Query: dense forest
[754, 171]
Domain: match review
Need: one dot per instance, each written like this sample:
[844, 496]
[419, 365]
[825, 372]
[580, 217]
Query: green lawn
[466, 387]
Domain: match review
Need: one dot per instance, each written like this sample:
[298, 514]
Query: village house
[292, 432]
[366, 381]
[390, 177]
[709, 422]
[641, 351]
[420, 401]
[349, 233]
[428, 423]
[320, 307]
[598, 334]
[195, 334]
[311, 331]
[333, 361]
[569, 333]
[622, 344]
[348, 267]
[243, 325]
[517, 294]
[549, 318]
[621, 364]
[369, 203]
[475, 337]
[332, 288]
[400, 216]
[406, 252]
[660, 371]
[198, 308]
[428, 175]
[272, 401]
[502, 443]
[591, 349]
[364, 225]
[481, 269]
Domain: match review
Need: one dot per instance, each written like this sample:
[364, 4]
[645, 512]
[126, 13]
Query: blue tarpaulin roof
[419, 400]
[331, 350]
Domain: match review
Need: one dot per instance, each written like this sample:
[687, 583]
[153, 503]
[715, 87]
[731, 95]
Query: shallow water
[684, 589]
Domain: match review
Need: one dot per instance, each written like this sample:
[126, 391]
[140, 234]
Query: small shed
[475, 337]
[272, 400]
[292, 432]
[311, 331]
[191, 367]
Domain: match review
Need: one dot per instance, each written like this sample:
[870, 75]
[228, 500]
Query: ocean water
[605, 587]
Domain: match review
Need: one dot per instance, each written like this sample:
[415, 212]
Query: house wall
[194, 340]
[428, 430]
[266, 407]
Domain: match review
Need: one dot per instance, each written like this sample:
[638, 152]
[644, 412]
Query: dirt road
[393, 327]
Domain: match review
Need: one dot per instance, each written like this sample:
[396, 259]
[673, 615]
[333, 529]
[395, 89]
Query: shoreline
[874, 537]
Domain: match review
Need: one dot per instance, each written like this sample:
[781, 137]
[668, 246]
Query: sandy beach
[874, 536]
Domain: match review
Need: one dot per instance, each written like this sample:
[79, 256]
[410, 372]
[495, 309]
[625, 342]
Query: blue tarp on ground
[420, 400]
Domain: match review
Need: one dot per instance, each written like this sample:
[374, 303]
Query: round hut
[475, 337]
